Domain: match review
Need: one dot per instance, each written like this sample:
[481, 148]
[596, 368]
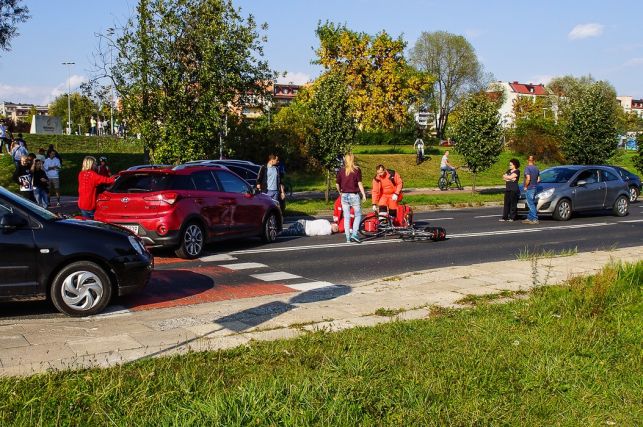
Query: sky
[525, 41]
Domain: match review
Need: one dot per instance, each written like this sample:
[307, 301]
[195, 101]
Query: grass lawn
[567, 355]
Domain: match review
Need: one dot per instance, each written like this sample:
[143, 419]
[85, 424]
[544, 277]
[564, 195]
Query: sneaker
[526, 221]
[355, 238]
[503, 220]
[510, 220]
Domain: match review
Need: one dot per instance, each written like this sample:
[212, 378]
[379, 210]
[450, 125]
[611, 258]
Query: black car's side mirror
[581, 183]
[11, 221]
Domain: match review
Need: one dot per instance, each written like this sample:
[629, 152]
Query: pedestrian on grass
[88, 182]
[349, 185]
[532, 178]
[17, 152]
[23, 177]
[5, 138]
[52, 167]
[40, 184]
[512, 191]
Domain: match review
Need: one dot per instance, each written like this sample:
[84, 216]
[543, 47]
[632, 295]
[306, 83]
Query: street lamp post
[68, 64]
[110, 33]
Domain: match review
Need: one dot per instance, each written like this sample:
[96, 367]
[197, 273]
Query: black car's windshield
[26, 205]
[557, 175]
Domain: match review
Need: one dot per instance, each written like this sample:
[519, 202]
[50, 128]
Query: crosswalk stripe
[310, 286]
[218, 257]
[277, 275]
[244, 265]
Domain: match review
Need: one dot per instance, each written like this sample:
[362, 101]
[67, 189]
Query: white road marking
[244, 265]
[277, 275]
[219, 257]
[633, 220]
[486, 216]
[435, 219]
[297, 248]
[310, 286]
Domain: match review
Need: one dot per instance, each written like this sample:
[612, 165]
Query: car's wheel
[192, 241]
[563, 210]
[81, 288]
[621, 206]
[634, 193]
[270, 228]
[442, 183]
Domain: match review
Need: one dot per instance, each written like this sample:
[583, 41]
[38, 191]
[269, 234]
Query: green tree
[182, 67]
[535, 129]
[334, 124]
[82, 109]
[12, 13]
[589, 122]
[451, 59]
[381, 84]
[476, 131]
[638, 160]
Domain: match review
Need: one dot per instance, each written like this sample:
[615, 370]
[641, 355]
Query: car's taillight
[169, 198]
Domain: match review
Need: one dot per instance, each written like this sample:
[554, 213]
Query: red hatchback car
[187, 206]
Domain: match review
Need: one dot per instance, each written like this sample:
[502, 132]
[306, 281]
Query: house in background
[631, 105]
[512, 91]
[281, 95]
[21, 112]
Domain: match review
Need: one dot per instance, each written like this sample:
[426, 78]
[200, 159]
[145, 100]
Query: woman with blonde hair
[88, 182]
[349, 185]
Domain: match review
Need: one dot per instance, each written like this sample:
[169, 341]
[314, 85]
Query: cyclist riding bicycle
[445, 166]
[387, 190]
[419, 149]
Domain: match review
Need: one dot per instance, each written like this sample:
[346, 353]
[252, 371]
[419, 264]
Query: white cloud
[40, 95]
[294, 78]
[583, 31]
[542, 78]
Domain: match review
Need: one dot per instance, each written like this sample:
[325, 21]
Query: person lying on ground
[315, 227]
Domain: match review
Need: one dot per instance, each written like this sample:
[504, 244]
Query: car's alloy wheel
[563, 210]
[192, 241]
[270, 229]
[621, 206]
[634, 194]
[81, 289]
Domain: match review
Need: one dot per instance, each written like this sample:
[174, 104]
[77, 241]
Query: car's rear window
[151, 182]
[556, 175]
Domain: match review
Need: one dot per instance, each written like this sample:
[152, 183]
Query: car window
[5, 207]
[231, 183]
[204, 181]
[609, 176]
[182, 182]
[590, 176]
[243, 172]
[142, 183]
[556, 175]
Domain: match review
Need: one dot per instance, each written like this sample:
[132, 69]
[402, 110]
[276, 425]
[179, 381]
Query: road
[243, 269]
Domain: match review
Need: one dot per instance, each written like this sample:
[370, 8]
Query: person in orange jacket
[338, 215]
[387, 190]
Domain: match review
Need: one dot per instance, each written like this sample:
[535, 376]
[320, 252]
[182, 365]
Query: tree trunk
[473, 187]
[327, 191]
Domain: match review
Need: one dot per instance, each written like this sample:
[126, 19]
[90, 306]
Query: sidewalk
[30, 346]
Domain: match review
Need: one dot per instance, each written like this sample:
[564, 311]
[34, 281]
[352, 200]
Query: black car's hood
[96, 225]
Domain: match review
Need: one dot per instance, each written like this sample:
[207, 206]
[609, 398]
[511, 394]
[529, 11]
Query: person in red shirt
[88, 182]
[387, 190]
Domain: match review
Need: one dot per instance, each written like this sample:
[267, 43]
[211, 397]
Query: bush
[537, 136]
[385, 138]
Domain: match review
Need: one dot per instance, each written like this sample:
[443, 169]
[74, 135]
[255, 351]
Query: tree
[334, 124]
[451, 59]
[82, 109]
[382, 86]
[638, 160]
[12, 13]
[535, 129]
[183, 67]
[589, 120]
[476, 131]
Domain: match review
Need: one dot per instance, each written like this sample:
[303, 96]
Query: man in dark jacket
[269, 181]
[23, 177]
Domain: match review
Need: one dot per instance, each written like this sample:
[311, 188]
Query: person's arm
[527, 180]
[375, 193]
[361, 189]
[260, 175]
[399, 184]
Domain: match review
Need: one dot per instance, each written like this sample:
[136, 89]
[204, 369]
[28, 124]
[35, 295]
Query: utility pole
[68, 64]
[110, 33]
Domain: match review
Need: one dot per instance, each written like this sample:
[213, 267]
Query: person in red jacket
[338, 215]
[88, 181]
[387, 190]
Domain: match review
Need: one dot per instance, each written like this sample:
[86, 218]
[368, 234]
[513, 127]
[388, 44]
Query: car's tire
[634, 193]
[270, 228]
[442, 183]
[191, 241]
[563, 211]
[621, 206]
[81, 288]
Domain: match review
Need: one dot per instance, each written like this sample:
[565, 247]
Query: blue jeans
[351, 200]
[41, 196]
[447, 169]
[530, 194]
[273, 194]
[87, 214]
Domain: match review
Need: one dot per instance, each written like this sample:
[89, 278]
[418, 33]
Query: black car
[77, 264]
[245, 169]
[633, 182]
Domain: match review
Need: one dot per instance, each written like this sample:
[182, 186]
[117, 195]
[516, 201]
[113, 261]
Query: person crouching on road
[387, 190]
[88, 182]
[349, 185]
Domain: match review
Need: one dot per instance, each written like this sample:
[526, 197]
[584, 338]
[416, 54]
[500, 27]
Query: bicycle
[420, 157]
[445, 182]
[375, 225]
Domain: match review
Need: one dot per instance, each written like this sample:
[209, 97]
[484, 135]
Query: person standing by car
[532, 178]
[52, 167]
[349, 185]
[512, 191]
[88, 182]
[23, 177]
[269, 180]
[40, 184]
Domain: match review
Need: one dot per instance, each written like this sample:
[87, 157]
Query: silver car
[563, 190]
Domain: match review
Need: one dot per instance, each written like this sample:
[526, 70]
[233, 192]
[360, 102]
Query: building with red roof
[511, 91]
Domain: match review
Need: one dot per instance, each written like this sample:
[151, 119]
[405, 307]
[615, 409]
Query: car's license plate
[132, 228]
[521, 206]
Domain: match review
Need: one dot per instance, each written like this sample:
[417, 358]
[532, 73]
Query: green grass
[525, 254]
[567, 355]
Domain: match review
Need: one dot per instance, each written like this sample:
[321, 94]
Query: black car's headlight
[136, 244]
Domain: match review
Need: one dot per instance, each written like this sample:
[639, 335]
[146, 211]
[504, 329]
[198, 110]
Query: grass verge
[568, 355]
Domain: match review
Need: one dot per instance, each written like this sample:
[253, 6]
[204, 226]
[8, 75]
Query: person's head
[89, 163]
[37, 164]
[24, 160]
[349, 163]
[52, 154]
[51, 147]
[380, 170]
[446, 153]
[530, 160]
[19, 136]
[102, 160]
[272, 160]
[514, 164]
[334, 228]
[41, 151]
[31, 156]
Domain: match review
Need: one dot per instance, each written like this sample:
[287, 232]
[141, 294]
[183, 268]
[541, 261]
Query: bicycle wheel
[442, 183]
[457, 182]
[436, 234]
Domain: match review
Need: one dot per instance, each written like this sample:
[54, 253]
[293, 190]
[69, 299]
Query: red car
[187, 206]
